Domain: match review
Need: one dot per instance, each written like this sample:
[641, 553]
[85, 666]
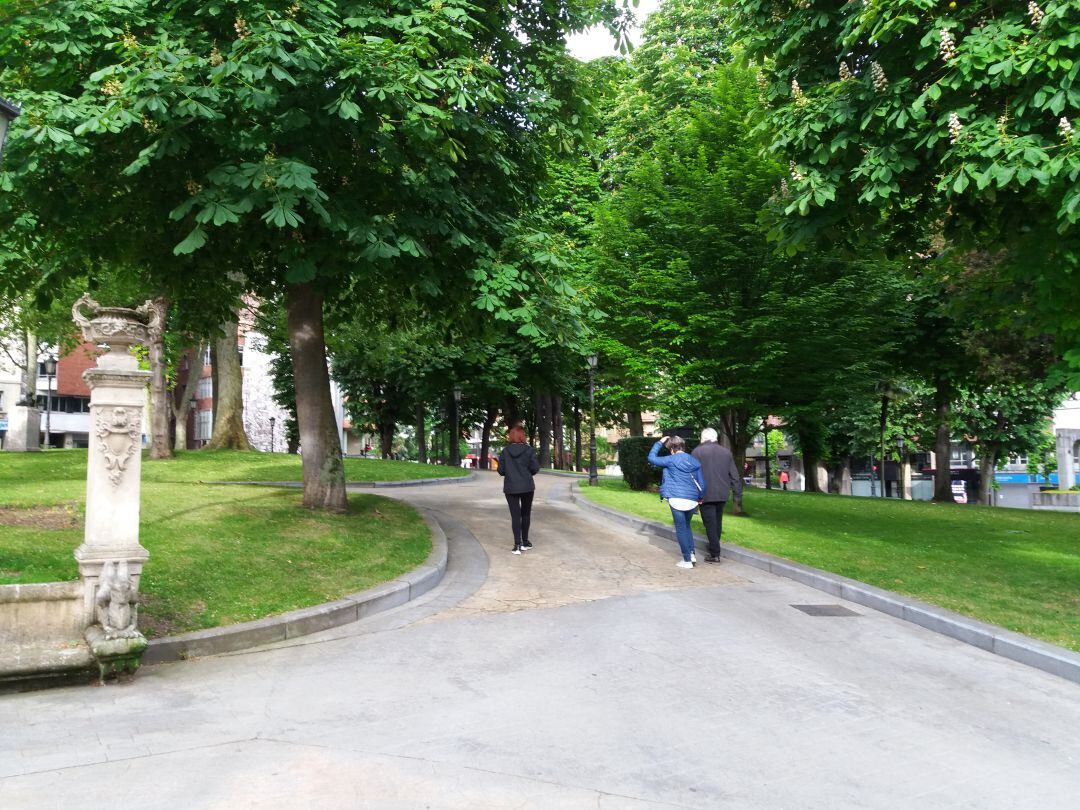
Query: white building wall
[258, 394]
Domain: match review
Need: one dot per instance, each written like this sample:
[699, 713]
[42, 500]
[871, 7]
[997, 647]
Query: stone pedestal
[24, 430]
[1067, 440]
[110, 557]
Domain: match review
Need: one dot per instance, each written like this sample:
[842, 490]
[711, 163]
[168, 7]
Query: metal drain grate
[826, 610]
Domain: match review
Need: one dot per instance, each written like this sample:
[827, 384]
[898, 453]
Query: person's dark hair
[675, 444]
[516, 435]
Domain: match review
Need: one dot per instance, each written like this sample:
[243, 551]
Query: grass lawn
[1012, 567]
[218, 555]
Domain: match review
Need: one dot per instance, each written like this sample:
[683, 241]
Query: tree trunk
[160, 446]
[577, 439]
[421, 435]
[386, 439]
[455, 432]
[190, 386]
[512, 412]
[543, 428]
[292, 432]
[845, 477]
[228, 394]
[881, 436]
[942, 457]
[987, 465]
[324, 472]
[559, 429]
[485, 436]
[810, 462]
[30, 372]
[636, 425]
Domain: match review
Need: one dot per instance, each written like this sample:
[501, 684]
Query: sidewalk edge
[304, 621]
[989, 637]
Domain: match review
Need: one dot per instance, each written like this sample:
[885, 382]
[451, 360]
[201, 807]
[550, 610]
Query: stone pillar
[24, 429]
[906, 466]
[1066, 443]
[110, 558]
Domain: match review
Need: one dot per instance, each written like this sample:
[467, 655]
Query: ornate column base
[115, 656]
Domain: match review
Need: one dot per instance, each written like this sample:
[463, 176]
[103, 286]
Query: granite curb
[997, 640]
[351, 608]
[419, 482]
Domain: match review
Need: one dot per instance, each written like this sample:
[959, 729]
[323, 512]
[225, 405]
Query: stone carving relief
[119, 434]
[117, 601]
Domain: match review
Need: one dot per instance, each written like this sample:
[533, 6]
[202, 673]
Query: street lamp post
[8, 113]
[272, 421]
[455, 430]
[50, 372]
[593, 477]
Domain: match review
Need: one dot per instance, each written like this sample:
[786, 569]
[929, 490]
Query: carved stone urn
[118, 328]
[110, 557]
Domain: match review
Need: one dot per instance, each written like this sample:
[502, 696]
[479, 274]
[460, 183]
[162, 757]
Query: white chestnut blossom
[955, 127]
[1035, 13]
[877, 73]
[1065, 127]
[947, 46]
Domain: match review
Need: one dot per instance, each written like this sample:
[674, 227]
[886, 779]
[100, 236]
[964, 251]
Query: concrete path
[587, 673]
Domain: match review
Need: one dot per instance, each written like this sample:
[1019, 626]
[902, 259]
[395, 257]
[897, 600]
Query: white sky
[597, 42]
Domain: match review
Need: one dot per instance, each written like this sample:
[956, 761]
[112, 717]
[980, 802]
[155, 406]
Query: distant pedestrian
[721, 479]
[683, 486]
[784, 478]
[517, 465]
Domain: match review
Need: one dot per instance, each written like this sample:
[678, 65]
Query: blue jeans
[682, 530]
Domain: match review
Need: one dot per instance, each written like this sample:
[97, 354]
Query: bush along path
[219, 555]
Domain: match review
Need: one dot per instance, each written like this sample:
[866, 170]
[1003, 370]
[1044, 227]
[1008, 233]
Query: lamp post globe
[8, 113]
[594, 479]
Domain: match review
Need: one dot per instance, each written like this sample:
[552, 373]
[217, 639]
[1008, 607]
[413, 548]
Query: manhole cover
[825, 610]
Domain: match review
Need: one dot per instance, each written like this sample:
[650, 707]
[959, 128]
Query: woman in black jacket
[517, 465]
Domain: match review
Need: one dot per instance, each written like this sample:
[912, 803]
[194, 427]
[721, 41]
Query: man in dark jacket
[721, 477]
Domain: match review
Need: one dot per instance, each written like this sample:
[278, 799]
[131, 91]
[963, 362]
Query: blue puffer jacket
[681, 471]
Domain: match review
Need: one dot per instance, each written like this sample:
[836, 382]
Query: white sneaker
[684, 564]
[693, 557]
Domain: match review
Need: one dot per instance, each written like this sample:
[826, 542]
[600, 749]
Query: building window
[206, 388]
[207, 357]
[203, 425]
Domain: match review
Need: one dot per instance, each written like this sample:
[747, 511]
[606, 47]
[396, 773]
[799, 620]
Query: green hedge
[638, 473]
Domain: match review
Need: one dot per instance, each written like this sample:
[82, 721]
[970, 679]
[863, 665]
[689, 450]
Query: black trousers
[712, 515]
[520, 504]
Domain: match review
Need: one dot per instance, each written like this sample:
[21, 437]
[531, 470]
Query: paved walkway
[588, 673]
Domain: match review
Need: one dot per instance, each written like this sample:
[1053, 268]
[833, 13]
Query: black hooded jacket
[517, 465]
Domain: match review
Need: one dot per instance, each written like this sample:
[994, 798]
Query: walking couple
[701, 479]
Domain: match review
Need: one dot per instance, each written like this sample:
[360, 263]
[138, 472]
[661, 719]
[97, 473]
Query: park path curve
[588, 673]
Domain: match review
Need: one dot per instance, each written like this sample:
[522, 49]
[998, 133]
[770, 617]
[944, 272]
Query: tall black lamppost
[593, 478]
[8, 113]
[272, 422]
[50, 372]
[455, 430]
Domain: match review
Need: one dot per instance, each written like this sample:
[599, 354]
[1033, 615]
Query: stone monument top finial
[117, 327]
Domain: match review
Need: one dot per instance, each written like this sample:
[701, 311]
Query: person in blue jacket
[683, 486]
